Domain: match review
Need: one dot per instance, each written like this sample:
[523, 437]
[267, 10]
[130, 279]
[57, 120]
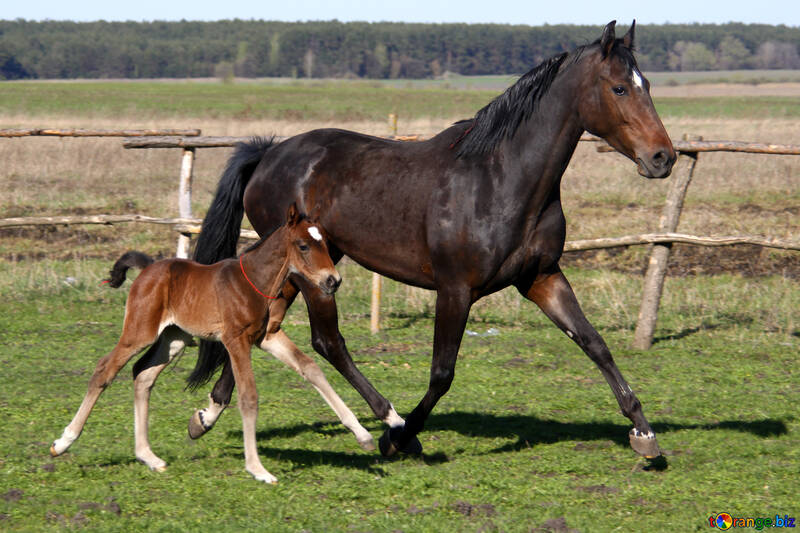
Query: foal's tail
[128, 260]
[220, 234]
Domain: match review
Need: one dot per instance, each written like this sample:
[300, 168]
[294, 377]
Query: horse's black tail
[131, 259]
[220, 234]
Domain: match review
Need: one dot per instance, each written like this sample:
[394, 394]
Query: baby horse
[175, 299]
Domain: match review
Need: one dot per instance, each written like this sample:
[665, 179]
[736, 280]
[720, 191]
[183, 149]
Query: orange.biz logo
[726, 521]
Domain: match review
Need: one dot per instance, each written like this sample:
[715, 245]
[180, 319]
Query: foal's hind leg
[279, 345]
[553, 294]
[145, 372]
[132, 341]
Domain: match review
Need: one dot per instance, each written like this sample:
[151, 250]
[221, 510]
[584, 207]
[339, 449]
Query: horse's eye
[303, 247]
[619, 90]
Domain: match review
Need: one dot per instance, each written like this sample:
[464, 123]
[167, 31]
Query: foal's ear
[627, 40]
[292, 215]
[607, 40]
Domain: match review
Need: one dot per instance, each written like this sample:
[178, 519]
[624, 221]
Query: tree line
[250, 48]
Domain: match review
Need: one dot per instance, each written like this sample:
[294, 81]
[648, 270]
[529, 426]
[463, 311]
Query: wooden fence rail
[688, 149]
[43, 132]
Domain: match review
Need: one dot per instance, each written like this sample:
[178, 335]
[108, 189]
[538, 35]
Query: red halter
[251, 283]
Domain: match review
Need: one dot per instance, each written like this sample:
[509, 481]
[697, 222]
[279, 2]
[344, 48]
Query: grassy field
[528, 439]
[320, 100]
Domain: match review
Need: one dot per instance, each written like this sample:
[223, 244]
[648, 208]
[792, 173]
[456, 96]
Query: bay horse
[175, 299]
[466, 213]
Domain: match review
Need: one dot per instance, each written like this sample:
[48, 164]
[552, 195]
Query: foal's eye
[619, 90]
[303, 247]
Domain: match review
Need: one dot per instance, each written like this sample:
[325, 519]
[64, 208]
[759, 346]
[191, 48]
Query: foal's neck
[265, 262]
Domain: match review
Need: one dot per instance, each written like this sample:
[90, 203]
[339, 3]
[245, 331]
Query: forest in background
[385, 50]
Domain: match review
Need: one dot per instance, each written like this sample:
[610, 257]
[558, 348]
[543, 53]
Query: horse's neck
[543, 145]
[267, 262]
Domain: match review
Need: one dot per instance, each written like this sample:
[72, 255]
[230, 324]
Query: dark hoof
[389, 447]
[197, 427]
[645, 444]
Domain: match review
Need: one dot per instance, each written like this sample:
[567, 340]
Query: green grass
[529, 436]
[738, 107]
[311, 101]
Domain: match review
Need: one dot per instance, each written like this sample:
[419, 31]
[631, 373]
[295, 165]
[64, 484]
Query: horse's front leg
[452, 310]
[553, 294]
[329, 343]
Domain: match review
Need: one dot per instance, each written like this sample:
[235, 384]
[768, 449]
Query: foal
[175, 299]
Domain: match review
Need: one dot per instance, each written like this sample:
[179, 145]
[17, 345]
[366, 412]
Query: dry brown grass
[602, 194]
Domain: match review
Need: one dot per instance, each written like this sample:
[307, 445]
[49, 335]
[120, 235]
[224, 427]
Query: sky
[530, 12]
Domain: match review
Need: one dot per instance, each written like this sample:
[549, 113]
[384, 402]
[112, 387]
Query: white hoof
[264, 476]
[367, 444]
[61, 445]
[152, 461]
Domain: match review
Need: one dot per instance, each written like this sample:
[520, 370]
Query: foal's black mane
[501, 117]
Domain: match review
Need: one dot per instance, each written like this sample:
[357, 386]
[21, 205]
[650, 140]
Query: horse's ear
[292, 215]
[607, 40]
[627, 40]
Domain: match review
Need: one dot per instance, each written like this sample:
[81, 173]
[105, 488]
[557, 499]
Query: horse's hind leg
[131, 342]
[279, 345]
[553, 294]
[145, 372]
[204, 419]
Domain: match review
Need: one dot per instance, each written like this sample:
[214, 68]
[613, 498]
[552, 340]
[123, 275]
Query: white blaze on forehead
[314, 232]
[637, 79]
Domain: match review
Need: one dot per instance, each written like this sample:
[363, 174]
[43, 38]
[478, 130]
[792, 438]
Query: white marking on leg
[315, 233]
[209, 415]
[637, 79]
[65, 441]
[394, 420]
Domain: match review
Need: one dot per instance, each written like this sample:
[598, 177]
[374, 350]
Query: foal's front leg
[279, 345]
[145, 372]
[553, 294]
[239, 350]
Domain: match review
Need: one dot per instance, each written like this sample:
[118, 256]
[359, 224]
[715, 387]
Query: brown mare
[473, 210]
[175, 299]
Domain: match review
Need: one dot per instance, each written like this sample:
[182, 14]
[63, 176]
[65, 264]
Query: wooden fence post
[185, 199]
[657, 267]
[375, 305]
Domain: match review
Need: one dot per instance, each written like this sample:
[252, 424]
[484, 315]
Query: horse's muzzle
[658, 165]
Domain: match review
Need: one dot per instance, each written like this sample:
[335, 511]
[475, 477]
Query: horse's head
[615, 104]
[307, 252]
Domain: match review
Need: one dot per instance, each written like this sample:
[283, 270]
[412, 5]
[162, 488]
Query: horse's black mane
[500, 118]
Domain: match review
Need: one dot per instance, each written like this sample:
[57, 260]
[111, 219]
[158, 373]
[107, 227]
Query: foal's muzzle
[331, 283]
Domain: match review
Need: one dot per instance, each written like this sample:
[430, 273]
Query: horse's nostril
[333, 282]
[659, 158]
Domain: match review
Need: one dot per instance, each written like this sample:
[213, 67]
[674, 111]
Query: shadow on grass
[531, 430]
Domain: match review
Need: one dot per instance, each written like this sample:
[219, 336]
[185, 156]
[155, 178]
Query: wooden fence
[688, 150]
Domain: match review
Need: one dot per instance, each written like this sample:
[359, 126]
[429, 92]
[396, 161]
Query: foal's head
[615, 104]
[307, 252]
